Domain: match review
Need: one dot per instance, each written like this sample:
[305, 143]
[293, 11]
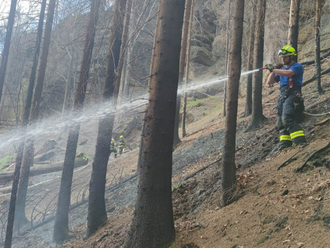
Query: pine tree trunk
[68, 88]
[183, 56]
[225, 83]
[152, 224]
[96, 205]
[61, 218]
[21, 175]
[257, 115]
[228, 168]
[294, 25]
[184, 133]
[22, 189]
[6, 47]
[248, 102]
[127, 68]
[317, 47]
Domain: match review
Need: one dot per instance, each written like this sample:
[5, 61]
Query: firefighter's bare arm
[283, 73]
[271, 79]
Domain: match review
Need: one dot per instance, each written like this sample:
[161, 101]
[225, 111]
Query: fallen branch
[200, 170]
[322, 122]
[310, 62]
[299, 169]
[317, 115]
[314, 77]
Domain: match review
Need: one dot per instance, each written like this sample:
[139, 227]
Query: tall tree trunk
[228, 168]
[257, 115]
[294, 25]
[6, 47]
[184, 133]
[248, 102]
[317, 46]
[22, 174]
[127, 68]
[225, 83]
[96, 205]
[68, 87]
[23, 184]
[139, 163]
[61, 218]
[152, 224]
[183, 55]
[134, 34]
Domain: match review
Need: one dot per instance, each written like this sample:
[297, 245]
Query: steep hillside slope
[274, 208]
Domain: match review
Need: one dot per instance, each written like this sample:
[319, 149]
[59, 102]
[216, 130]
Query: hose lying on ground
[322, 114]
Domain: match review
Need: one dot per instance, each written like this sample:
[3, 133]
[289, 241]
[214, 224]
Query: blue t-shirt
[297, 78]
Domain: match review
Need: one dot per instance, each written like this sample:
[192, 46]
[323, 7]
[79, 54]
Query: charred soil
[274, 208]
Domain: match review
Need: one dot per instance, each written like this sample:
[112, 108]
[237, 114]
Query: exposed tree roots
[299, 169]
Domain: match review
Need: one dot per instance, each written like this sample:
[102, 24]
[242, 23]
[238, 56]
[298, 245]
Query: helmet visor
[283, 53]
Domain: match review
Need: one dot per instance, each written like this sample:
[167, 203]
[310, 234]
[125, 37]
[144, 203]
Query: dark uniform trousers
[290, 107]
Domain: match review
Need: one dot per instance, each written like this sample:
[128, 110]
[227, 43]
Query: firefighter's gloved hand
[278, 66]
[270, 67]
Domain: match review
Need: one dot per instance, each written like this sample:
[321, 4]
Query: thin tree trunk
[184, 133]
[22, 174]
[127, 68]
[96, 204]
[152, 224]
[6, 47]
[68, 87]
[225, 83]
[23, 184]
[257, 115]
[228, 168]
[183, 55]
[317, 46]
[61, 218]
[248, 102]
[294, 25]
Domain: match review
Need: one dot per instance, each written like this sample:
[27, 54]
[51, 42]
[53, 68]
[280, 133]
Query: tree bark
[183, 55]
[228, 168]
[317, 46]
[21, 177]
[294, 25]
[96, 204]
[61, 218]
[127, 68]
[184, 133]
[225, 83]
[23, 183]
[248, 102]
[257, 115]
[153, 224]
[6, 47]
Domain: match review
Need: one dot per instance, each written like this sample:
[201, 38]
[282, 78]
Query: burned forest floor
[273, 207]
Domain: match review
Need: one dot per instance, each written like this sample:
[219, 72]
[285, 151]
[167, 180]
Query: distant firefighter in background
[113, 147]
[121, 144]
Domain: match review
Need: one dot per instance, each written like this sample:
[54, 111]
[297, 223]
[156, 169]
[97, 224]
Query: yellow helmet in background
[287, 51]
[80, 154]
[121, 136]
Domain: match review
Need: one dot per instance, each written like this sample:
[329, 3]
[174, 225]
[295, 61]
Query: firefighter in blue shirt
[290, 105]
